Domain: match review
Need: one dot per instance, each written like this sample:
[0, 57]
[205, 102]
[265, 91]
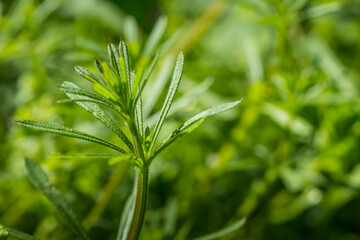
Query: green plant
[119, 89]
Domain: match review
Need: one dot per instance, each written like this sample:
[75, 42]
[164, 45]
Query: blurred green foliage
[288, 158]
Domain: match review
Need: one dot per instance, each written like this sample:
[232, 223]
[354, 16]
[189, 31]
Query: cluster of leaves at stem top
[118, 88]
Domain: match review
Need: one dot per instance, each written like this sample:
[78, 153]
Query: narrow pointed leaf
[19, 234]
[98, 66]
[184, 100]
[169, 97]
[139, 117]
[126, 217]
[193, 123]
[223, 232]
[143, 83]
[40, 180]
[101, 115]
[125, 54]
[131, 158]
[114, 57]
[68, 87]
[85, 156]
[155, 36]
[67, 132]
[88, 75]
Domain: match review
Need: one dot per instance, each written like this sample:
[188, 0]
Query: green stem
[142, 189]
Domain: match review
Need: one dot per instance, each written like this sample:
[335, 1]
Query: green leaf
[155, 36]
[125, 65]
[19, 234]
[143, 83]
[114, 57]
[184, 100]
[126, 217]
[85, 156]
[193, 123]
[68, 87]
[3, 233]
[131, 158]
[88, 75]
[225, 231]
[67, 132]
[40, 180]
[98, 66]
[139, 117]
[169, 97]
[101, 115]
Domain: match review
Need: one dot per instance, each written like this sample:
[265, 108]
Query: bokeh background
[287, 158]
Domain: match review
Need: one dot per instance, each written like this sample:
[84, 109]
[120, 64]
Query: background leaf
[40, 180]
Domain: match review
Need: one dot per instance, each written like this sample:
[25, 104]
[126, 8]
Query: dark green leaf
[68, 132]
[40, 180]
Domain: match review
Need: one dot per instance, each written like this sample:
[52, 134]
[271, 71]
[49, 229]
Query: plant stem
[142, 189]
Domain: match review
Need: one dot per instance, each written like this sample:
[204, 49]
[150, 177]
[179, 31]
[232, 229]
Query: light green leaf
[169, 97]
[193, 123]
[225, 231]
[88, 75]
[67, 132]
[143, 83]
[126, 217]
[68, 87]
[155, 36]
[131, 158]
[189, 97]
[101, 115]
[40, 180]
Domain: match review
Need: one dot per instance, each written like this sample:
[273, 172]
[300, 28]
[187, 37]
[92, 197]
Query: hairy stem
[142, 188]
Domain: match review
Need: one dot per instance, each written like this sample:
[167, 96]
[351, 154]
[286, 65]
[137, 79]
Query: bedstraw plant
[119, 89]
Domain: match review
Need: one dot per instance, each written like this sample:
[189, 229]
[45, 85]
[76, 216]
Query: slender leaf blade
[126, 217]
[101, 115]
[155, 36]
[170, 97]
[225, 231]
[114, 57]
[125, 54]
[85, 156]
[40, 180]
[194, 122]
[19, 234]
[67, 132]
